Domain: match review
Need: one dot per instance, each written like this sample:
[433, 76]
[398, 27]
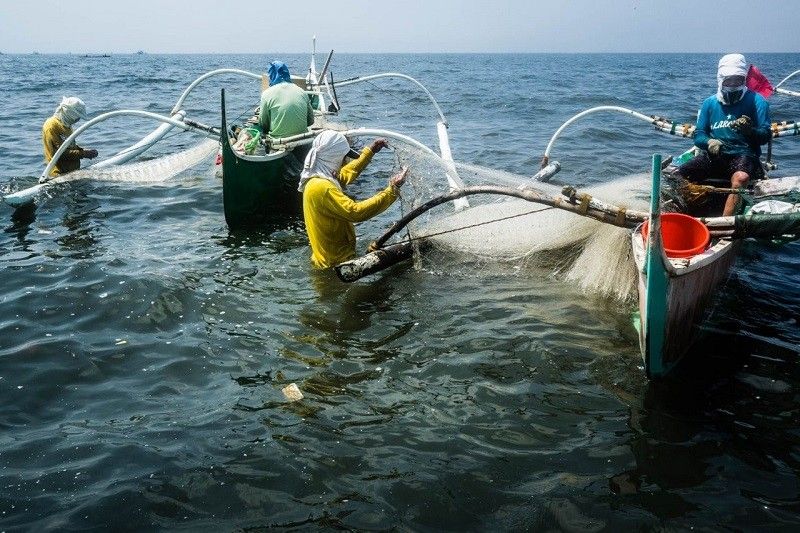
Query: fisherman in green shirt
[285, 107]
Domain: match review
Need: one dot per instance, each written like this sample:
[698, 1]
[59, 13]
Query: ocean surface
[143, 346]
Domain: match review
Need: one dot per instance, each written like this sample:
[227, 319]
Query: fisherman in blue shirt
[731, 127]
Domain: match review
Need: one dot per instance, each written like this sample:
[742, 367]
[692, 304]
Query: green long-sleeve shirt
[285, 110]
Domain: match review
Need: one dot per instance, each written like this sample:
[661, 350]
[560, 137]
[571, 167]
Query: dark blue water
[143, 346]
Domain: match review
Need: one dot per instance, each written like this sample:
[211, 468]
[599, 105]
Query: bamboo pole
[579, 204]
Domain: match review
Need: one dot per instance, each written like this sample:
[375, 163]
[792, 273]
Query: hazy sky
[400, 26]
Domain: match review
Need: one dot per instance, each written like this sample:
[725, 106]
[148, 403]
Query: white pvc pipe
[582, 114]
[179, 104]
[784, 80]
[450, 166]
[105, 116]
[787, 92]
[140, 147]
[398, 75]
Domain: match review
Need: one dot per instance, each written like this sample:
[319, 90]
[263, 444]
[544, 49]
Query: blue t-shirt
[715, 118]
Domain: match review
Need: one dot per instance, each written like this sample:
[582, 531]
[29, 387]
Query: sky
[364, 26]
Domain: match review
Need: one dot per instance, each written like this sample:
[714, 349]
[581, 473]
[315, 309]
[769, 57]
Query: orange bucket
[681, 235]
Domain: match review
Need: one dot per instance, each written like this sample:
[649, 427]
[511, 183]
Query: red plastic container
[682, 235]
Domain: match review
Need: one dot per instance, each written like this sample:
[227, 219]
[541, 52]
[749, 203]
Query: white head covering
[325, 158]
[730, 65]
[70, 110]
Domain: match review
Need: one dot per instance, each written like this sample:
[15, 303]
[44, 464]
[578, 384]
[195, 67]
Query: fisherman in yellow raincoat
[328, 212]
[55, 131]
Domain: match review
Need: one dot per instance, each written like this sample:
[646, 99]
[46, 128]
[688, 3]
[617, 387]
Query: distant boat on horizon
[96, 55]
[139, 52]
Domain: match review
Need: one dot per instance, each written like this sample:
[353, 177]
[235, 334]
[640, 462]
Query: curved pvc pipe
[179, 104]
[140, 147]
[403, 76]
[105, 116]
[450, 165]
[582, 114]
[453, 180]
[784, 80]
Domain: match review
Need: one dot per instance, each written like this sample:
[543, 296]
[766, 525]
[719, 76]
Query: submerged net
[151, 171]
[499, 231]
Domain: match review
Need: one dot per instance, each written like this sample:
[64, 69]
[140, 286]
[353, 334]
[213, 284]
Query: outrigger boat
[673, 293]
[257, 186]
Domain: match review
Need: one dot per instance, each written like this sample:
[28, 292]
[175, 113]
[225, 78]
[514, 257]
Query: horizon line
[101, 53]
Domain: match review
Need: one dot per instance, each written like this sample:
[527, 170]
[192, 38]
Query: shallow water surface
[143, 347]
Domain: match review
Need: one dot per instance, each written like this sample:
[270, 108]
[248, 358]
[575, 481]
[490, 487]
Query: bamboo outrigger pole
[381, 257]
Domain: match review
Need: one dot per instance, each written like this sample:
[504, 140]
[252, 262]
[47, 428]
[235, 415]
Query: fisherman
[285, 107]
[55, 131]
[731, 127]
[328, 212]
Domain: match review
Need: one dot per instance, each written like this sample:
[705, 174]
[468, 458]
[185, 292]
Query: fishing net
[511, 234]
[151, 171]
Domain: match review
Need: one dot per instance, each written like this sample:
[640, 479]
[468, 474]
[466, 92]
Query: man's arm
[340, 205]
[263, 115]
[762, 131]
[351, 170]
[702, 132]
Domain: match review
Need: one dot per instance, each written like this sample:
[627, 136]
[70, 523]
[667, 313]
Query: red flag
[758, 82]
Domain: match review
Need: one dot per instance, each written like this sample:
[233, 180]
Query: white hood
[730, 65]
[70, 110]
[325, 158]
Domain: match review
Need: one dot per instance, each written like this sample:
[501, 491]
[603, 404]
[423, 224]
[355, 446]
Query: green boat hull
[260, 192]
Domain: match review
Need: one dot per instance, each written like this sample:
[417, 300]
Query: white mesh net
[496, 232]
[151, 171]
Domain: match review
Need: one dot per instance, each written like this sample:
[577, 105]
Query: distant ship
[140, 52]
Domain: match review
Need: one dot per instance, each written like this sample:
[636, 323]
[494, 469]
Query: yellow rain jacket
[330, 214]
[54, 133]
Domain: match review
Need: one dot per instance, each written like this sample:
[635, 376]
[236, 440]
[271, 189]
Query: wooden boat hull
[673, 293]
[257, 190]
[671, 308]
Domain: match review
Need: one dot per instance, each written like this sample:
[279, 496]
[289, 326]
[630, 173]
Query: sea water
[144, 346]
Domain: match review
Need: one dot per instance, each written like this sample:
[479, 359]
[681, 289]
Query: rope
[475, 225]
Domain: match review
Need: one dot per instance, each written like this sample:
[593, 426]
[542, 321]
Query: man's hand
[89, 154]
[743, 125]
[713, 146]
[377, 144]
[398, 179]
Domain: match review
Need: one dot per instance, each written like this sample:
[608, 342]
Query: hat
[278, 73]
[732, 65]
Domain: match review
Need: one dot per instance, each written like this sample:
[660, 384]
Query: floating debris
[292, 392]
